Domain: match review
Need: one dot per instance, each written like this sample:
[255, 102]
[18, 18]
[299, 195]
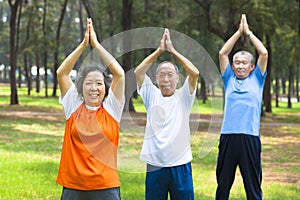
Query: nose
[94, 86]
[166, 77]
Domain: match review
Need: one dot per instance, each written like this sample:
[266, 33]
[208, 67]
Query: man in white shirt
[166, 148]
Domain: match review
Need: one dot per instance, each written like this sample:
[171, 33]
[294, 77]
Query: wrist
[249, 33]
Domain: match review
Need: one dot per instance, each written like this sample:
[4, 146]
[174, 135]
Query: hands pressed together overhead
[165, 42]
[90, 37]
[244, 27]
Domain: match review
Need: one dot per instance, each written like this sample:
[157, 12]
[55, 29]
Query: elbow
[265, 53]
[197, 73]
[58, 72]
[221, 52]
[222, 55]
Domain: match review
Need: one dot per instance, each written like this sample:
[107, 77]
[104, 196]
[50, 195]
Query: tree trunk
[17, 45]
[277, 90]
[283, 85]
[56, 51]
[27, 67]
[289, 95]
[38, 78]
[45, 48]
[127, 43]
[27, 74]
[203, 95]
[268, 82]
[13, 54]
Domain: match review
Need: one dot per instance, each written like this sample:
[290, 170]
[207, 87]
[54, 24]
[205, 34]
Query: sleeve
[227, 74]
[261, 77]
[71, 101]
[147, 91]
[186, 95]
[113, 106]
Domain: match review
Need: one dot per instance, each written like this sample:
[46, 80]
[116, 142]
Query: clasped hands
[244, 27]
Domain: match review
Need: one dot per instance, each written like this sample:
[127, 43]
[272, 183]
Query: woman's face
[93, 88]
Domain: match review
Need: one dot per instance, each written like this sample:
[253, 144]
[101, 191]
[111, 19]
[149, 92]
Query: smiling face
[167, 79]
[93, 88]
[242, 65]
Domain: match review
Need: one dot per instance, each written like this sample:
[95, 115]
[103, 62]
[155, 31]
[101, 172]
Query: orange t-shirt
[89, 153]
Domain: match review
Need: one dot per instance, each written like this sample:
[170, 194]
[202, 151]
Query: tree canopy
[41, 34]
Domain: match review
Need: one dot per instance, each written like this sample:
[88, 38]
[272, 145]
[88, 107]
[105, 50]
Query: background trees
[41, 33]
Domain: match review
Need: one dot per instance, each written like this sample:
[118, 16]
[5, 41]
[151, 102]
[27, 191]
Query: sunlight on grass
[212, 105]
[30, 148]
[28, 177]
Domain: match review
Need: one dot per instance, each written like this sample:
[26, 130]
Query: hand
[245, 24]
[241, 26]
[168, 43]
[93, 37]
[162, 44]
[86, 40]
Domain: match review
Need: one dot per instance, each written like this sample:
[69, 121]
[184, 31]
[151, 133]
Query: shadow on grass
[22, 134]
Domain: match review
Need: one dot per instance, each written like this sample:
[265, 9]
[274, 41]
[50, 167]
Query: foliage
[209, 23]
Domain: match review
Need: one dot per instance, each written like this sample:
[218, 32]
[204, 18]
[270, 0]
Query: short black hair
[84, 72]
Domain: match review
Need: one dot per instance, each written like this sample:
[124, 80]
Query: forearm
[257, 43]
[142, 68]
[187, 65]
[68, 64]
[63, 72]
[262, 51]
[110, 61]
[226, 49]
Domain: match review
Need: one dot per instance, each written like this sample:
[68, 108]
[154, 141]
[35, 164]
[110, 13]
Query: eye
[99, 83]
[161, 75]
[171, 74]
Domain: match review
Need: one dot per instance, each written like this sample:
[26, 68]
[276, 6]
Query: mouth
[94, 95]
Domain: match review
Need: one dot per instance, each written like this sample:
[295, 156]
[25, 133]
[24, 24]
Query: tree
[127, 57]
[13, 51]
[56, 51]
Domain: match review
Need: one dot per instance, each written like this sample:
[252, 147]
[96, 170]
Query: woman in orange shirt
[88, 165]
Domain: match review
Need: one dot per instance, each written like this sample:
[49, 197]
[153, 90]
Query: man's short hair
[243, 53]
[160, 64]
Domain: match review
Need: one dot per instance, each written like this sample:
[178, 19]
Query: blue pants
[177, 181]
[243, 151]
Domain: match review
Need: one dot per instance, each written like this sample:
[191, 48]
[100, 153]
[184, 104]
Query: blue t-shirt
[243, 99]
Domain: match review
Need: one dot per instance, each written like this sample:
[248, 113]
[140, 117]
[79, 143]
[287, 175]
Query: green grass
[30, 148]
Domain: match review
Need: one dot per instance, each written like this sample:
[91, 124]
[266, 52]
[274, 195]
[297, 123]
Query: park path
[141, 117]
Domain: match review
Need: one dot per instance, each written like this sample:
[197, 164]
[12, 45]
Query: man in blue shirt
[240, 139]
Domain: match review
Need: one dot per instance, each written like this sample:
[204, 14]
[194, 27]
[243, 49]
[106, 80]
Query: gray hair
[176, 68]
[243, 53]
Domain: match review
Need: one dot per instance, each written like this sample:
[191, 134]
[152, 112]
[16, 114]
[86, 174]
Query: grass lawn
[30, 147]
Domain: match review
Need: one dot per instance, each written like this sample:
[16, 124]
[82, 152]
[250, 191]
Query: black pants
[243, 151]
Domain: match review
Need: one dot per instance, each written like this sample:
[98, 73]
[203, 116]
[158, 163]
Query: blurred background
[36, 35]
